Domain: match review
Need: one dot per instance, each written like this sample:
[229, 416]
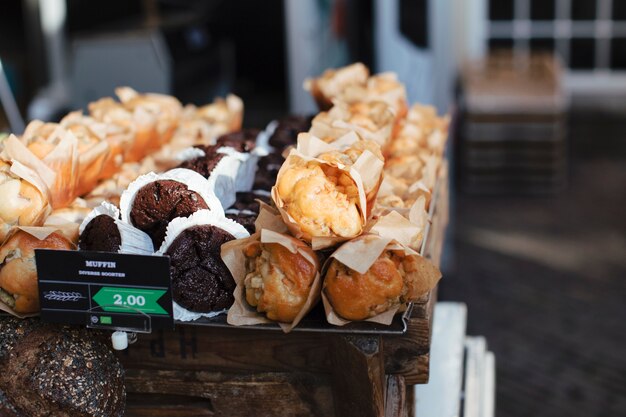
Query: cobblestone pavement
[545, 281]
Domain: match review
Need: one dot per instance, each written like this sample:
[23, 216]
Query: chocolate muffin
[242, 141]
[101, 234]
[267, 171]
[245, 218]
[204, 165]
[247, 200]
[200, 280]
[286, 132]
[158, 202]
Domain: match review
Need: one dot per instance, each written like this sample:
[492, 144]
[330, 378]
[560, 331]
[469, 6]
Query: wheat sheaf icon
[62, 296]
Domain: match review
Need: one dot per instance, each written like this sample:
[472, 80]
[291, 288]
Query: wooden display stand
[206, 371]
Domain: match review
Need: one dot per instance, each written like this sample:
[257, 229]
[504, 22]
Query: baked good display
[278, 280]
[18, 272]
[51, 370]
[200, 280]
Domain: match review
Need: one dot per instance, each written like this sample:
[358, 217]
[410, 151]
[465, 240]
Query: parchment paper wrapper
[340, 120]
[242, 313]
[269, 218]
[93, 149]
[134, 241]
[359, 255]
[162, 109]
[39, 233]
[177, 226]
[58, 169]
[69, 218]
[319, 242]
[333, 81]
[39, 214]
[380, 87]
[191, 179]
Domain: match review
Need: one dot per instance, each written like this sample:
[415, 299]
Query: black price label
[105, 290]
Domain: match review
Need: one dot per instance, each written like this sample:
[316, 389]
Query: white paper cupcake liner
[244, 178]
[191, 179]
[134, 241]
[222, 180]
[263, 147]
[180, 224]
[189, 153]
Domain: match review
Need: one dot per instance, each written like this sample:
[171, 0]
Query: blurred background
[537, 91]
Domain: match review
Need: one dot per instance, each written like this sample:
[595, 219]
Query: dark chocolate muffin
[204, 165]
[101, 234]
[245, 218]
[242, 141]
[267, 171]
[286, 132]
[247, 200]
[201, 282]
[51, 370]
[158, 203]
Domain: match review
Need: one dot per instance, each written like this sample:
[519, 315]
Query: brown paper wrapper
[241, 313]
[359, 255]
[321, 242]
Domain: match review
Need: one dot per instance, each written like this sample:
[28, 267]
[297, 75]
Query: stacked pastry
[43, 172]
[330, 204]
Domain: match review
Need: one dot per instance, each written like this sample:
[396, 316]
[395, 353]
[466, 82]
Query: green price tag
[124, 299]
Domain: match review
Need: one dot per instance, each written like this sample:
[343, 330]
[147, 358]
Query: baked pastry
[322, 199]
[52, 152]
[18, 272]
[383, 87]
[159, 202]
[101, 234]
[51, 370]
[241, 141]
[93, 149]
[200, 280]
[277, 280]
[394, 278]
[204, 165]
[333, 81]
[287, 129]
[267, 171]
[374, 120]
[162, 112]
[22, 203]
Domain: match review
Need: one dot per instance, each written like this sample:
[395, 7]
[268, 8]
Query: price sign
[105, 290]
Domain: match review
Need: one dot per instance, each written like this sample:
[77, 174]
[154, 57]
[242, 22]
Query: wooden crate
[207, 371]
[512, 128]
